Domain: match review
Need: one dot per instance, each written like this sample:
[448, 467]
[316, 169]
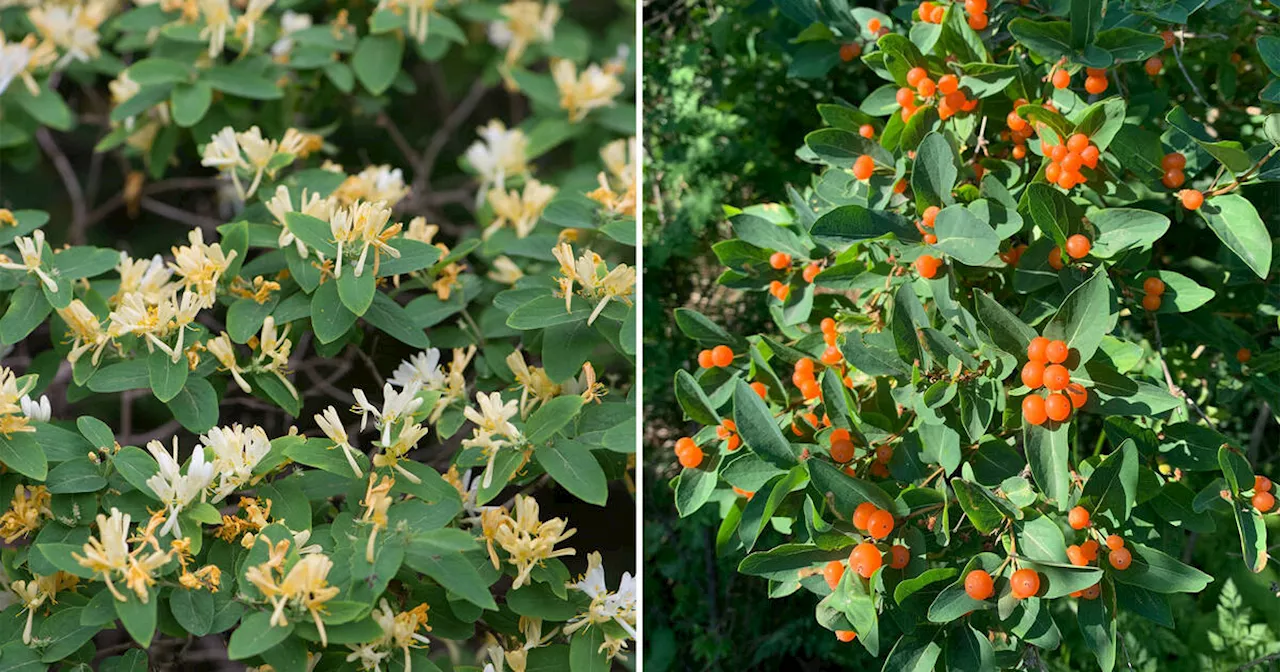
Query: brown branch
[69, 181]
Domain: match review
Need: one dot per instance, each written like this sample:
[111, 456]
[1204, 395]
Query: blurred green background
[724, 112]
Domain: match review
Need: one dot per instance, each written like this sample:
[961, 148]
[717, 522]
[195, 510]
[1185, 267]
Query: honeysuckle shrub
[391, 315]
[1022, 359]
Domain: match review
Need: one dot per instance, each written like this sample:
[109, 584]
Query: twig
[69, 179]
[1259, 429]
[443, 134]
[1259, 661]
[398, 138]
[1177, 56]
[1168, 377]
[178, 214]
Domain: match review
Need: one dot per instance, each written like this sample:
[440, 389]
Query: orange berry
[867, 131]
[1090, 156]
[1192, 199]
[722, 355]
[1243, 355]
[1173, 178]
[1115, 541]
[1056, 377]
[978, 584]
[1057, 407]
[1076, 555]
[1025, 583]
[1077, 394]
[1072, 162]
[1057, 352]
[1061, 79]
[684, 444]
[850, 51]
[880, 524]
[937, 14]
[930, 215]
[842, 451]
[975, 6]
[1168, 38]
[1052, 172]
[1263, 501]
[1059, 152]
[804, 365]
[846, 635]
[905, 96]
[1120, 558]
[862, 514]
[1055, 255]
[1153, 285]
[1176, 160]
[863, 167]
[1037, 349]
[1092, 592]
[1078, 517]
[1033, 375]
[810, 390]
[780, 260]
[1015, 122]
[831, 356]
[779, 290]
[1077, 142]
[1261, 484]
[1095, 84]
[827, 324]
[706, 360]
[691, 458]
[879, 470]
[1033, 410]
[948, 84]
[1153, 66]
[811, 271]
[899, 556]
[927, 266]
[916, 75]
[884, 453]
[833, 572]
[759, 388]
[900, 187]
[873, 25]
[1151, 302]
[1090, 548]
[865, 559]
[1019, 151]
[929, 239]
[1078, 246]
[978, 21]
[926, 88]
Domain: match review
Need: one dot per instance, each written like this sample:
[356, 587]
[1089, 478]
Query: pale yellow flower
[582, 92]
[520, 211]
[529, 541]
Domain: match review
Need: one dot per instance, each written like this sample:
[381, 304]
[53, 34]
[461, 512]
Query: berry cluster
[1066, 159]
[832, 355]
[976, 9]
[925, 224]
[1262, 499]
[1152, 289]
[1095, 80]
[803, 377]
[1173, 164]
[728, 431]
[1019, 130]
[945, 92]
[781, 261]
[1082, 554]
[1044, 369]
[717, 357]
[688, 453]
[1078, 247]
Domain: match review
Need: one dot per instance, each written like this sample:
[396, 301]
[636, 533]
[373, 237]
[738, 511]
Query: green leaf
[138, 618]
[1047, 453]
[954, 602]
[193, 609]
[758, 429]
[846, 491]
[551, 417]
[245, 317]
[195, 406]
[916, 652]
[969, 651]
[841, 227]
[693, 400]
[190, 102]
[1084, 317]
[547, 311]
[1102, 120]
[78, 475]
[23, 454]
[242, 82]
[46, 106]
[934, 175]
[1123, 229]
[356, 291]
[1007, 331]
[1228, 152]
[27, 310]
[700, 328]
[395, 321]
[377, 60]
[322, 454]
[1253, 535]
[1098, 625]
[978, 504]
[1236, 223]
[1160, 573]
[841, 148]
[415, 255]
[121, 376]
[313, 232]
[1051, 40]
[136, 466]
[155, 70]
[330, 318]
[255, 634]
[964, 237]
[167, 377]
[74, 263]
[451, 569]
[1113, 485]
[1181, 294]
[585, 654]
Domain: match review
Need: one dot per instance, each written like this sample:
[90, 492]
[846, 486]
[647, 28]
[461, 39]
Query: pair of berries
[866, 558]
[1013, 255]
[873, 520]
[1152, 289]
[979, 585]
[842, 447]
[728, 431]
[928, 219]
[779, 290]
[1066, 159]
[1044, 369]
[1173, 164]
[717, 357]
[688, 453]
[850, 51]
[832, 355]
[1262, 500]
[1083, 554]
[803, 377]
[1095, 80]
[1078, 247]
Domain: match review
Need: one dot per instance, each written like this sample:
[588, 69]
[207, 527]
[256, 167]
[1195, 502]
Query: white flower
[32, 251]
[74, 29]
[494, 415]
[217, 19]
[332, 426]
[619, 607]
[498, 154]
[18, 59]
[396, 407]
[37, 411]
[422, 369]
[236, 452]
[174, 489]
[311, 204]
[290, 23]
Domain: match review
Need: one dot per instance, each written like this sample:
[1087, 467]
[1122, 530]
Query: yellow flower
[377, 499]
[332, 426]
[581, 93]
[364, 224]
[498, 154]
[305, 587]
[27, 511]
[374, 183]
[617, 192]
[86, 331]
[504, 270]
[520, 211]
[399, 631]
[617, 283]
[533, 382]
[32, 250]
[223, 350]
[217, 19]
[201, 266]
[529, 541]
[108, 554]
[73, 29]
[527, 22]
[40, 589]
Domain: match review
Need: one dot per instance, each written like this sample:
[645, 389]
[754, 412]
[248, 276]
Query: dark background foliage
[723, 116]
